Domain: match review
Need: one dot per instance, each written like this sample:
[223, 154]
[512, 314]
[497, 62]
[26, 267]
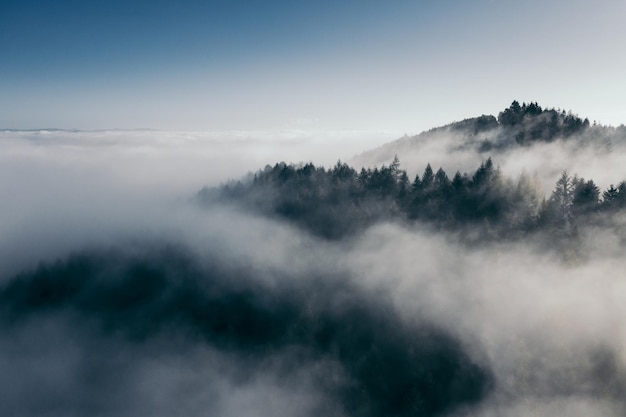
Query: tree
[395, 167]
[485, 175]
[609, 196]
[511, 116]
[428, 178]
[416, 187]
[562, 198]
[343, 172]
[614, 197]
[403, 187]
[441, 179]
[586, 197]
[459, 182]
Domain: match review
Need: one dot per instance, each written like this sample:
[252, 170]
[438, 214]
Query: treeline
[338, 201]
[519, 125]
[528, 123]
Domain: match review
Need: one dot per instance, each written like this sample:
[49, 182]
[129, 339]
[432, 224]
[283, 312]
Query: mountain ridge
[519, 125]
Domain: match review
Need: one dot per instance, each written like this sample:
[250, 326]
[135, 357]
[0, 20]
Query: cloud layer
[119, 296]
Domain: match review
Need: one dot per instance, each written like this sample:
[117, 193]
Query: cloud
[364, 358]
[121, 297]
[550, 332]
[594, 154]
[64, 189]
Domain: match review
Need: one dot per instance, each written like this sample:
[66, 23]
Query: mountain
[475, 178]
[476, 272]
[518, 126]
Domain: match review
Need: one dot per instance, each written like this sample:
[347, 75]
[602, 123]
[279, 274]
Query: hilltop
[517, 126]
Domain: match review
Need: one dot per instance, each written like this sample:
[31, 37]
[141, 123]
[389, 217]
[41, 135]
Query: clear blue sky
[319, 65]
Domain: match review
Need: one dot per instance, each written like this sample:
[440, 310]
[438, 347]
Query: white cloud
[552, 333]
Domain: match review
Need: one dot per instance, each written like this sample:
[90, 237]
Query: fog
[596, 153]
[63, 189]
[121, 296]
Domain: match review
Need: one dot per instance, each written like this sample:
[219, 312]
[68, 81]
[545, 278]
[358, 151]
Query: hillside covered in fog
[473, 270]
[523, 138]
[340, 201]
[516, 126]
[484, 203]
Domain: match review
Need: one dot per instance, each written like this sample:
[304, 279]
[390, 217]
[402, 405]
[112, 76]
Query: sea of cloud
[549, 334]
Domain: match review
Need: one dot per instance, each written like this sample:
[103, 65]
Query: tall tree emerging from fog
[562, 197]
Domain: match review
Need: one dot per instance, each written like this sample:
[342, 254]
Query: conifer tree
[428, 178]
[562, 197]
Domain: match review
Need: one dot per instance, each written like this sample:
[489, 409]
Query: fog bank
[120, 295]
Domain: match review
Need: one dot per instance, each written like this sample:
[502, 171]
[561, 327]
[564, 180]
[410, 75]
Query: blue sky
[317, 65]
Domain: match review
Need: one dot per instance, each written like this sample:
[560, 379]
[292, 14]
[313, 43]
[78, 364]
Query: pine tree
[395, 167]
[562, 197]
[441, 180]
[610, 197]
[428, 178]
[586, 196]
[416, 187]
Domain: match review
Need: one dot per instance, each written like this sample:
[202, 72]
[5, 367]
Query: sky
[398, 66]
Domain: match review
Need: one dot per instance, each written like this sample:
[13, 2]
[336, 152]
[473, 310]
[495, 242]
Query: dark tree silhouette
[338, 202]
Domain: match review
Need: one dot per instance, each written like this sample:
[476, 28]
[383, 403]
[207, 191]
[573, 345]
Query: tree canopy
[336, 202]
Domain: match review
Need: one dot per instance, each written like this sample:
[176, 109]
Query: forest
[340, 201]
[476, 273]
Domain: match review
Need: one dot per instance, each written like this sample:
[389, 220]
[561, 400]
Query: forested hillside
[478, 271]
[519, 126]
[340, 201]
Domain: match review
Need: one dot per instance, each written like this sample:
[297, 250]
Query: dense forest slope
[482, 204]
[338, 202]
